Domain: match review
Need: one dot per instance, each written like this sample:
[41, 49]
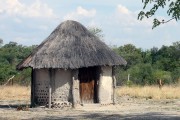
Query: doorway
[89, 78]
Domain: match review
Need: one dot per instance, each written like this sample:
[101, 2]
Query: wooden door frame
[96, 75]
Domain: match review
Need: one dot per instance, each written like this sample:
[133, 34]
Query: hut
[72, 67]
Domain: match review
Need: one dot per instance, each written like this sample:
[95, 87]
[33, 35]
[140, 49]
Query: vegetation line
[145, 67]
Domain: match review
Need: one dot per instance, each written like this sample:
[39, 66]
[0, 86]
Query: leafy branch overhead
[173, 10]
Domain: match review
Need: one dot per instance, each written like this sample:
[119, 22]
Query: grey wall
[41, 86]
[61, 83]
[62, 86]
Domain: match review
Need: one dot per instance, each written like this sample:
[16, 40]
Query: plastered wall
[61, 83]
[62, 86]
[105, 85]
[41, 86]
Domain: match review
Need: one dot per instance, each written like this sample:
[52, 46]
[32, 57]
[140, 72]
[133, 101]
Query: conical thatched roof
[72, 46]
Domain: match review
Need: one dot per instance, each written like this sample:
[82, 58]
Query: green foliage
[130, 53]
[129, 83]
[97, 32]
[163, 75]
[23, 77]
[10, 55]
[141, 74]
[1, 42]
[146, 67]
[176, 75]
[173, 10]
[121, 75]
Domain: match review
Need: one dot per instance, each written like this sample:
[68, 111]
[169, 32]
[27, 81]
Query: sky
[29, 22]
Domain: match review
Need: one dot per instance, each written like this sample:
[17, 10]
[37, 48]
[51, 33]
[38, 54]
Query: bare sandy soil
[126, 108]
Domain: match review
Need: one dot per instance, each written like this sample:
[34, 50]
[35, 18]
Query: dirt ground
[126, 108]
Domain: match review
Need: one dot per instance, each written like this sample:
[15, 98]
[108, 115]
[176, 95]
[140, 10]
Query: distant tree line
[10, 55]
[149, 66]
[144, 67]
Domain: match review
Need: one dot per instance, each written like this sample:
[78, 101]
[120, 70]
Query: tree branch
[167, 20]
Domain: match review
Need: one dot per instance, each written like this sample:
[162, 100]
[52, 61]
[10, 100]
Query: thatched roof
[72, 46]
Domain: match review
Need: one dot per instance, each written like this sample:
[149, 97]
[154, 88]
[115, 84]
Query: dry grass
[14, 92]
[150, 92]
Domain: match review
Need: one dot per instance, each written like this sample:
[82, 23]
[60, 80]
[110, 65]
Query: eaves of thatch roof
[71, 46]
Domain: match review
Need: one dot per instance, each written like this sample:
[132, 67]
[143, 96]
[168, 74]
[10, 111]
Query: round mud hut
[72, 67]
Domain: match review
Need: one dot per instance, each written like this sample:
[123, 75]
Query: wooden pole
[50, 88]
[114, 86]
[33, 77]
[75, 89]
[73, 92]
[12, 82]
[49, 96]
[9, 80]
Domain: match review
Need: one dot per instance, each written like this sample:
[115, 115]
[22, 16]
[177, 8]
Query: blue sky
[29, 22]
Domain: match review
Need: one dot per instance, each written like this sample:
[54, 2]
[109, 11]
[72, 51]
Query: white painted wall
[105, 85]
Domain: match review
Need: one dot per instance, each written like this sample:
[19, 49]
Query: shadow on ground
[101, 116]
[13, 106]
[82, 115]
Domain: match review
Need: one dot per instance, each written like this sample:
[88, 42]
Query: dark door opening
[89, 78]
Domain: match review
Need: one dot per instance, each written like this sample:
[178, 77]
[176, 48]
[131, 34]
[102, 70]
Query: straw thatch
[72, 46]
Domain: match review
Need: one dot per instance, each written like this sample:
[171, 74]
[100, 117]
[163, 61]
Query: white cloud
[125, 17]
[16, 8]
[1, 11]
[122, 9]
[81, 13]
[86, 13]
[128, 18]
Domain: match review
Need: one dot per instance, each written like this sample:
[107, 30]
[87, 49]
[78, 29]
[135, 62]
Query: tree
[10, 55]
[173, 10]
[141, 74]
[165, 76]
[131, 54]
[154, 53]
[146, 67]
[1, 42]
[97, 32]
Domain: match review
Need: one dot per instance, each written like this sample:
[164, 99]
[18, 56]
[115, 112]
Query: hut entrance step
[89, 84]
